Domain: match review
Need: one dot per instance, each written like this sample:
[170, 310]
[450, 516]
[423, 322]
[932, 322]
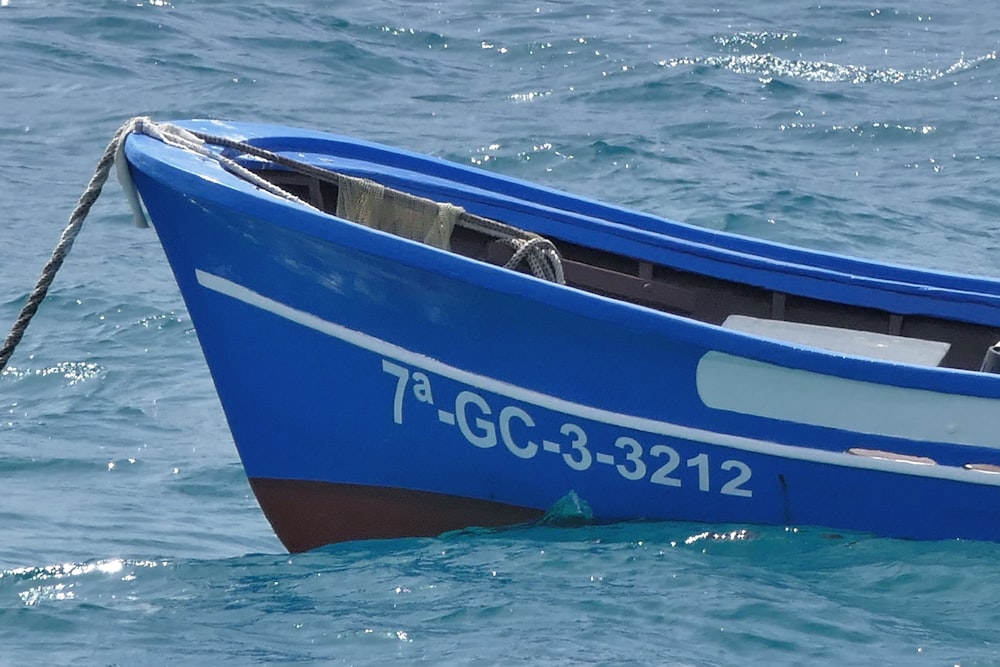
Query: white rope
[538, 251]
[174, 135]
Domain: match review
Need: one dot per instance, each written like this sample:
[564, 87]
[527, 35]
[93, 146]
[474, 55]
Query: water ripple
[768, 66]
[72, 371]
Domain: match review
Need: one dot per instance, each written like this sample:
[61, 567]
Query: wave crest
[768, 66]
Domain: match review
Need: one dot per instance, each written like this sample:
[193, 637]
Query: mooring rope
[166, 133]
[540, 253]
[83, 206]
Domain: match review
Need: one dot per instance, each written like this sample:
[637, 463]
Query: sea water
[128, 533]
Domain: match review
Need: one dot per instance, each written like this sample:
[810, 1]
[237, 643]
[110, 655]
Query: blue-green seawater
[128, 533]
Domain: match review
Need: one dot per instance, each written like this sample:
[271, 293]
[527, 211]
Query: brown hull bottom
[306, 515]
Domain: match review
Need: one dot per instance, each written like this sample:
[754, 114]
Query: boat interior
[795, 318]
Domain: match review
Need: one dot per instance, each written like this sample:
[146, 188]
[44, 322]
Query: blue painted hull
[355, 359]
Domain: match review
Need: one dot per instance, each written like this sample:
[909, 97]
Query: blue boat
[405, 346]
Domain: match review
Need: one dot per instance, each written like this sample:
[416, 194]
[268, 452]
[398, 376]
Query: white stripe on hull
[390, 350]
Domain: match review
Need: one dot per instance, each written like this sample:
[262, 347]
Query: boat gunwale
[720, 247]
[702, 240]
[636, 243]
[178, 169]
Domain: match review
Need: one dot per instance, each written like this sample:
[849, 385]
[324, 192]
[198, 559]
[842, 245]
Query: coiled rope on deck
[540, 254]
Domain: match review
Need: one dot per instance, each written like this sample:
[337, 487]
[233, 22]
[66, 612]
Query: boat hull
[379, 388]
[309, 514]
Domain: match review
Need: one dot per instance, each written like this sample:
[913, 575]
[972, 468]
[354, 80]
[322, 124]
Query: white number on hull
[514, 427]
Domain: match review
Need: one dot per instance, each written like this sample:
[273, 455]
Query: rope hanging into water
[83, 206]
[167, 133]
[540, 254]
